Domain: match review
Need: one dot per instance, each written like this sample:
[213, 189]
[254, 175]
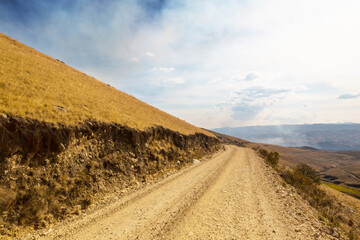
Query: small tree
[307, 171]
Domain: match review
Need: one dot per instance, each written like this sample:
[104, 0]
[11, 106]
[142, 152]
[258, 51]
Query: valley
[330, 137]
[337, 167]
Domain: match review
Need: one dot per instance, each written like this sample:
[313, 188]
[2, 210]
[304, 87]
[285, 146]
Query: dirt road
[233, 195]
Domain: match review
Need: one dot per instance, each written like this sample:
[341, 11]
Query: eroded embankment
[49, 171]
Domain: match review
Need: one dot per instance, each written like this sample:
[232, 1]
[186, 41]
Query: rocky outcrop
[49, 171]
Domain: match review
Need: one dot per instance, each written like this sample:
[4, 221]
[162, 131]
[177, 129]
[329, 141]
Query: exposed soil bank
[49, 171]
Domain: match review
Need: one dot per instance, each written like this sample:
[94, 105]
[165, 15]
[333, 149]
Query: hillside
[333, 167]
[336, 196]
[338, 167]
[67, 140]
[36, 86]
[334, 137]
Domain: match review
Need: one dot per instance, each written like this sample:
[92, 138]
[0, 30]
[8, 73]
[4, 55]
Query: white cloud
[150, 54]
[162, 69]
[134, 59]
[310, 48]
[248, 103]
[348, 96]
[215, 80]
[175, 80]
[244, 77]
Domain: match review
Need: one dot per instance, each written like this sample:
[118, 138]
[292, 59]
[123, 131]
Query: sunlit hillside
[33, 85]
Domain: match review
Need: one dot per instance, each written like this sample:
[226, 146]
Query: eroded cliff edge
[49, 171]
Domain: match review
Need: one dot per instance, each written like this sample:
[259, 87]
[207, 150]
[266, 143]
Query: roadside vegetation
[307, 183]
[271, 158]
[36, 86]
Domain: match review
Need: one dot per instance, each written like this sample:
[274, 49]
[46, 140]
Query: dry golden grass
[343, 189]
[343, 197]
[33, 85]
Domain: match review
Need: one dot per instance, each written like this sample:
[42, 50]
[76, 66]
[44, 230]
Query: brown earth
[234, 195]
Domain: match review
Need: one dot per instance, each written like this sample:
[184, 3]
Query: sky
[213, 63]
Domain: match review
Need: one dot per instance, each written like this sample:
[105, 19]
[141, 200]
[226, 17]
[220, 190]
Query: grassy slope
[33, 84]
[343, 197]
[345, 190]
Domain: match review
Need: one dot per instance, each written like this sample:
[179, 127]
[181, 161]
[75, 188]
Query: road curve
[233, 195]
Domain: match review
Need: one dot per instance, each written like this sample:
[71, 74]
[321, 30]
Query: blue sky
[213, 63]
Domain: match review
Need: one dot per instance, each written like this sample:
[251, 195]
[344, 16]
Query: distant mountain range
[334, 137]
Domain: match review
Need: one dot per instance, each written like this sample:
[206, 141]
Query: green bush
[263, 153]
[272, 158]
[305, 180]
[307, 171]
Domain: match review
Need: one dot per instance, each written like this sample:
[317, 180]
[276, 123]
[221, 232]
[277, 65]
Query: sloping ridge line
[36, 86]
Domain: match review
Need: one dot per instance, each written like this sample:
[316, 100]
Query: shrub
[263, 153]
[307, 171]
[305, 180]
[271, 158]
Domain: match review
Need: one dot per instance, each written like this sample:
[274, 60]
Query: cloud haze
[212, 63]
[348, 96]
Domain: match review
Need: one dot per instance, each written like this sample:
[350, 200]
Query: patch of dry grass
[345, 190]
[36, 86]
[343, 197]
